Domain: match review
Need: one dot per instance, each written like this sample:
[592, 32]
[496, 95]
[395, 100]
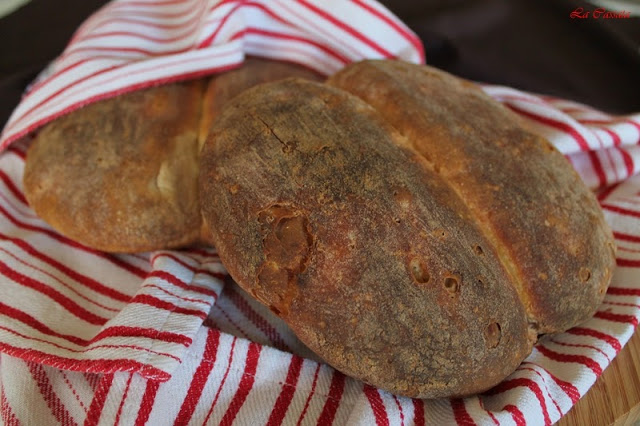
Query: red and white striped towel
[164, 338]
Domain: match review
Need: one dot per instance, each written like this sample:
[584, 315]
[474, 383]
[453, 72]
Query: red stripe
[207, 41]
[174, 258]
[602, 195]
[71, 273]
[15, 150]
[93, 380]
[257, 319]
[395, 398]
[146, 299]
[489, 413]
[92, 348]
[612, 122]
[32, 322]
[460, 413]
[579, 345]
[628, 250]
[172, 279]
[345, 27]
[418, 412]
[245, 386]
[143, 36]
[21, 211]
[152, 2]
[222, 382]
[117, 9]
[124, 398]
[629, 263]
[631, 305]
[146, 405]
[111, 258]
[126, 331]
[56, 406]
[13, 188]
[228, 318]
[99, 398]
[516, 414]
[626, 319]
[528, 383]
[377, 406]
[620, 210]
[546, 387]
[582, 331]
[411, 38]
[72, 389]
[614, 136]
[597, 167]
[621, 291]
[6, 412]
[200, 378]
[333, 399]
[311, 393]
[568, 358]
[63, 71]
[63, 88]
[566, 128]
[58, 280]
[256, 46]
[626, 237]
[283, 36]
[186, 299]
[569, 389]
[85, 365]
[62, 300]
[281, 405]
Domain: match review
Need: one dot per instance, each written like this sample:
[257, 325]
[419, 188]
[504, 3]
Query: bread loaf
[402, 236]
[120, 175]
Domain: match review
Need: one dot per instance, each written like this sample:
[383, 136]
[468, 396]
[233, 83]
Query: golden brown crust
[320, 210]
[532, 206]
[120, 175]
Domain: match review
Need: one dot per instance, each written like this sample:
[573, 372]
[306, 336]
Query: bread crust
[532, 206]
[322, 211]
[120, 175]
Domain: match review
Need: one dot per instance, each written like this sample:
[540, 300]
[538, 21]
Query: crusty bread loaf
[399, 249]
[120, 175]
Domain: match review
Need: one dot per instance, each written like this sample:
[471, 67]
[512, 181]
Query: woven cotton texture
[165, 338]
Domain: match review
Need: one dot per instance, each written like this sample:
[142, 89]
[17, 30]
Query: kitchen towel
[165, 337]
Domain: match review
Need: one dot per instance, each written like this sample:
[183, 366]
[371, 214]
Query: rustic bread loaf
[120, 175]
[409, 264]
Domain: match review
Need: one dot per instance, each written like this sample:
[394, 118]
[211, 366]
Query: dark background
[532, 45]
